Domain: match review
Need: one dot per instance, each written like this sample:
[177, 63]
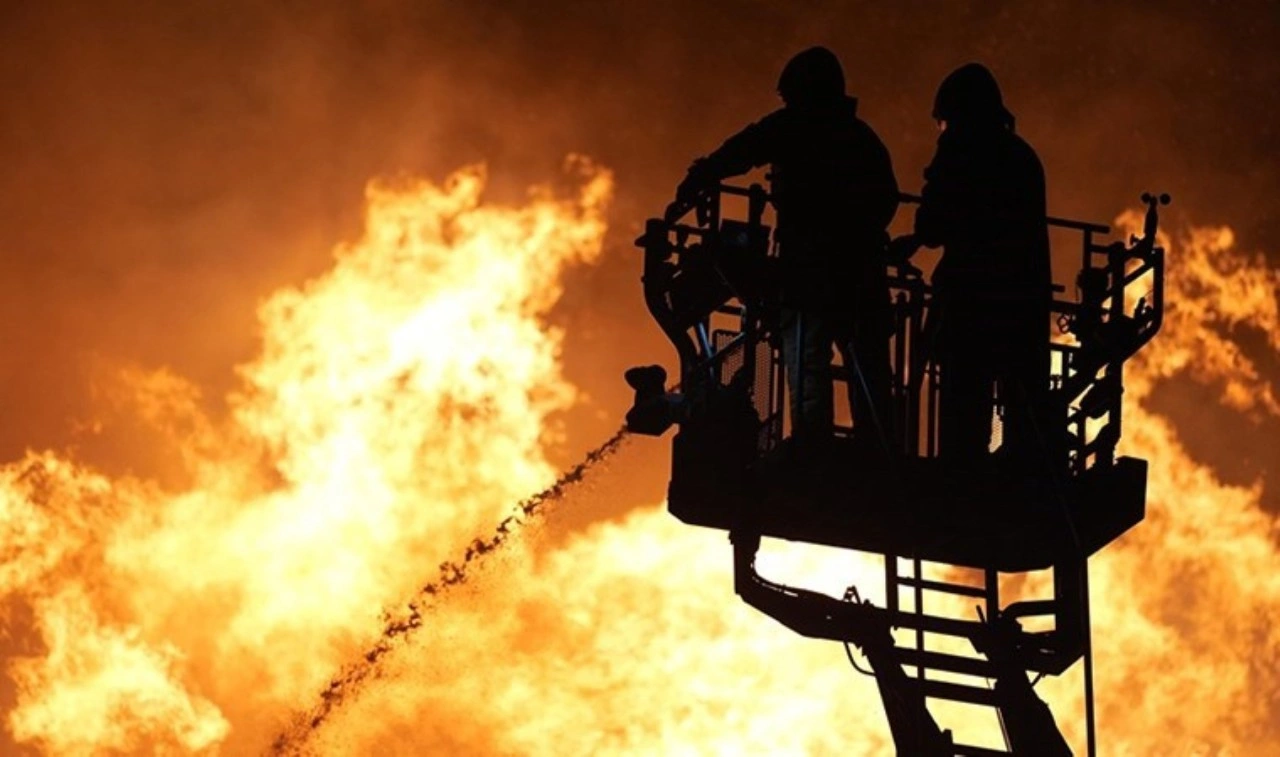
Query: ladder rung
[936, 624]
[972, 666]
[958, 692]
[964, 590]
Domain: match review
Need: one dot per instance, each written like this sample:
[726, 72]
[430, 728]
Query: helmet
[970, 95]
[812, 77]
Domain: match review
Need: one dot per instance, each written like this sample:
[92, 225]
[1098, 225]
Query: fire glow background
[252, 399]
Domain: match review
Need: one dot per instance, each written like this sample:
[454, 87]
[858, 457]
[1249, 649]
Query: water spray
[451, 573]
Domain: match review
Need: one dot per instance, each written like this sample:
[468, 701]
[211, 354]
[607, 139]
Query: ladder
[907, 576]
[996, 680]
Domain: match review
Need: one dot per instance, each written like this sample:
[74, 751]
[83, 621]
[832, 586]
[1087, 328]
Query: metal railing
[710, 285]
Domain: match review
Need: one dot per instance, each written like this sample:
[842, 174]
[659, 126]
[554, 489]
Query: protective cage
[1002, 517]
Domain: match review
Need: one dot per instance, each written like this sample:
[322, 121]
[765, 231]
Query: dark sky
[169, 164]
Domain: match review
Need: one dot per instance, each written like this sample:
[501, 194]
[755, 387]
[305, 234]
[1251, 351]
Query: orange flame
[195, 620]
[400, 403]
[630, 640]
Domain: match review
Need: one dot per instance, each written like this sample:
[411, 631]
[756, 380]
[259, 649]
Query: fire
[1186, 646]
[629, 639]
[400, 404]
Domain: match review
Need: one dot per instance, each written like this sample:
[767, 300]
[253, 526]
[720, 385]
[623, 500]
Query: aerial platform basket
[708, 284]
[919, 508]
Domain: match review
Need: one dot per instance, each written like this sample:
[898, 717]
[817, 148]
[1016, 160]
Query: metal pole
[1089, 715]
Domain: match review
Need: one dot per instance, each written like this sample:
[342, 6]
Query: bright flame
[629, 640]
[400, 404]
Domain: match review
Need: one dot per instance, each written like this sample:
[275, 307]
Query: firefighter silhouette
[835, 194]
[983, 202]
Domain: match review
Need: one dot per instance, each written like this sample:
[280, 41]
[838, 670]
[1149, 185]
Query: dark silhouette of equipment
[942, 529]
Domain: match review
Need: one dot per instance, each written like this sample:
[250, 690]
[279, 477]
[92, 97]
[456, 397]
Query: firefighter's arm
[749, 148]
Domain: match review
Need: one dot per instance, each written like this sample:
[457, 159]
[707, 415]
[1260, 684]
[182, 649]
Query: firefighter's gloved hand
[689, 188]
[674, 211]
[686, 199]
[697, 180]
